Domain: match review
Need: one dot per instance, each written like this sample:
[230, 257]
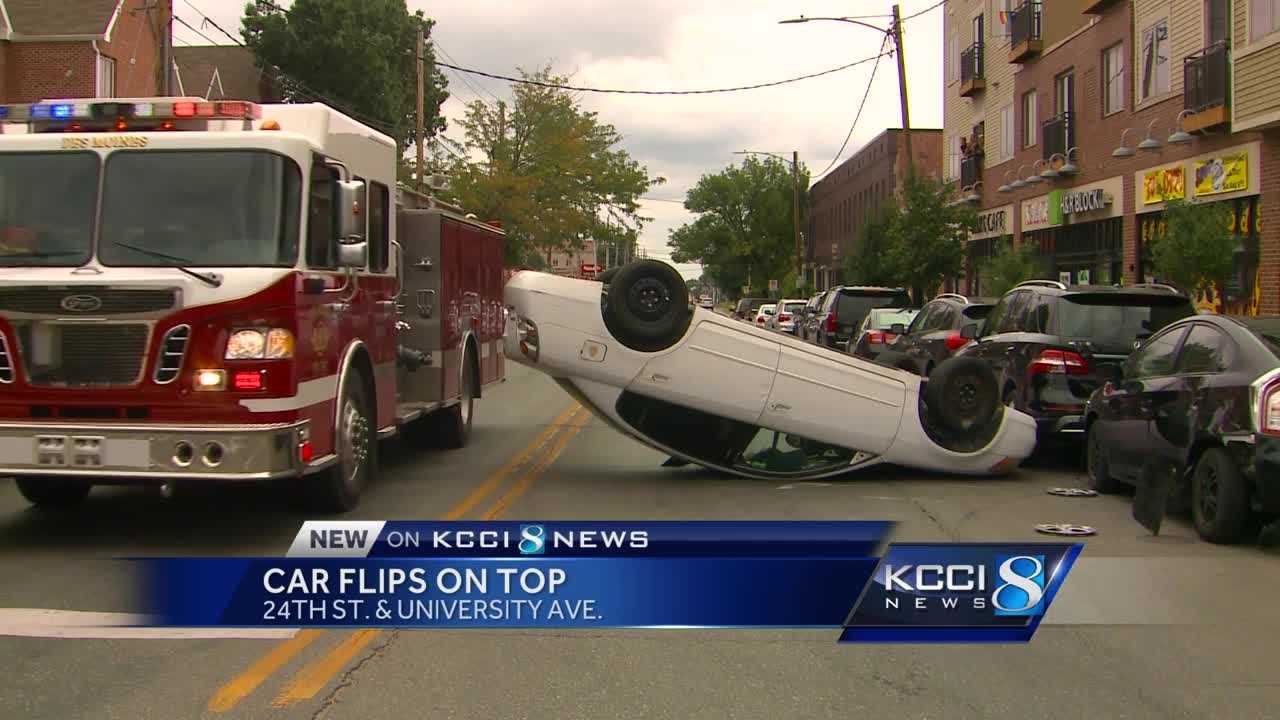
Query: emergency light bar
[112, 110]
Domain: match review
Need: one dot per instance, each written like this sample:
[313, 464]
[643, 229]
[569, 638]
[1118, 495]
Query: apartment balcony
[973, 78]
[1024, 32]
[971, 170]
[1097, 7]
[1205, 81]
[1058, 135]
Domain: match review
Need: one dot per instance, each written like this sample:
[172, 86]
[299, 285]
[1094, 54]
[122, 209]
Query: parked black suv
[1052, 345]
[935, 334]
[748, 307]
[845, 307]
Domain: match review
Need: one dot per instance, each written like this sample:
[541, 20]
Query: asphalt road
[1145, 627]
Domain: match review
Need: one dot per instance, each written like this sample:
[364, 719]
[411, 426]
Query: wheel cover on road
[1210, 484]
[649, 298]
[1065, 529]
[1072, 492]
[353, 442]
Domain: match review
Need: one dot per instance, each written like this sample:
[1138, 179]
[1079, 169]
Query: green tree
[1197, 248]
[743, 233]
[868, 264]
[359, 53]
[550, 171]
[1008, 267]
[925, 236]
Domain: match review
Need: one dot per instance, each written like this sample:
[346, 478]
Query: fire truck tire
[647, 306]
[454, 423]
[53, 491]
[338, 488]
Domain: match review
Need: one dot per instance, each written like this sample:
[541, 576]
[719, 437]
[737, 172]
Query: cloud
[675, 44]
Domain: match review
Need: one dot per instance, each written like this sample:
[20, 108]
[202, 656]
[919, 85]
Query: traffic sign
[773, 286]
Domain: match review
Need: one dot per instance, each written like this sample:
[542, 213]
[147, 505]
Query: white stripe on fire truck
[310, 392]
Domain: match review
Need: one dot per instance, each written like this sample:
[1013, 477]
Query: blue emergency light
[120, 112]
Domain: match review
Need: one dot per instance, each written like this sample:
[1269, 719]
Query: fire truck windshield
[199, 209]
[46, 207]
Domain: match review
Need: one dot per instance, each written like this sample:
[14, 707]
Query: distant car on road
[1052, 345]
[765, 313]
[784, 320]
[935, 333]
[1200, 401]
[747, 308]
[706, 301]
[705, 389]
[880, 331]
[844, 308]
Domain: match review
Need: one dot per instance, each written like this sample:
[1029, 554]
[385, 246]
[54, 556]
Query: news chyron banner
[838, 575]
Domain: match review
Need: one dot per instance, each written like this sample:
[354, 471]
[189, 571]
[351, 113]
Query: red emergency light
[122, 113]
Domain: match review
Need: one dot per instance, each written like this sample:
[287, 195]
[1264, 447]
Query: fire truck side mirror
[353, 254]
[350, 211]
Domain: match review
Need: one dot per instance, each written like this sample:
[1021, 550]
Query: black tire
[962, 394]
[53, 492]
[647, 306]
[338, 489]
[1100, 479]
[454, 422]
[1219, 498]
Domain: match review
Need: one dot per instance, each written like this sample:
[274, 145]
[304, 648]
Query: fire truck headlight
[210, 380]
[246, 345]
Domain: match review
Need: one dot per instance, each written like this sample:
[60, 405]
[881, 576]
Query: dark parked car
[845, 307]
[1200, 400]
[807, 323]
[1052, 345]
[880, 331]
[935, 334]
[748, 307]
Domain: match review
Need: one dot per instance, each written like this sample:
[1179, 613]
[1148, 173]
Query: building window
[106, 77]
[1264, 18]
[1006, 132]
[1029, 119]
[1113, 79]
[1155, 60]
[953, 58]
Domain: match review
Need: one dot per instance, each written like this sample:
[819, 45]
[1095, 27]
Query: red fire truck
[224, 291]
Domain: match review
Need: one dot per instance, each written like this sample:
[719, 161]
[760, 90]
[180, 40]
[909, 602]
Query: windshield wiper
[212, 280]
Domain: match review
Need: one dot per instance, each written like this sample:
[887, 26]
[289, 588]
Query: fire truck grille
[65, 354]
[92, 301]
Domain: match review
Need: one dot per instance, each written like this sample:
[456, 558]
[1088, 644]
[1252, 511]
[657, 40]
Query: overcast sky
[682, 45]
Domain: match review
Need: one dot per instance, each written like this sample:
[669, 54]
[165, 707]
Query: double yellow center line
[526, 466]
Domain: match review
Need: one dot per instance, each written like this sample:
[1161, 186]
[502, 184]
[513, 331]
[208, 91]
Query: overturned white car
[726, 395]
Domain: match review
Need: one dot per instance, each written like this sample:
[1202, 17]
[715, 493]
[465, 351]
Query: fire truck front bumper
[121, 453]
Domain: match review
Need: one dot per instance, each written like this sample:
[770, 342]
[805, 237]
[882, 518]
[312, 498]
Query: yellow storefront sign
[1163, 184]
[1228, 173]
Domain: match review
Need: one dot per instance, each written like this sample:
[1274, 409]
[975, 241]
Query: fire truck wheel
[647, 308]
[455, 421]
[53, 491]
[338, 488]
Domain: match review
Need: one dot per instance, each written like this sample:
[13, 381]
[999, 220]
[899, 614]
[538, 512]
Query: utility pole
[422, 71]
[795, 214]
[902, 90]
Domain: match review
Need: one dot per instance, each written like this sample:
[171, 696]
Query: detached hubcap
[649, 299]
[353, 437]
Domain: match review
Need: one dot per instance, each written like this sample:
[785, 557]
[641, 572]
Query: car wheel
[53, 492]
[962, 394]
[455, 422]
[647, 306]
[1219, 498]
[338, 488]
[1100, 478]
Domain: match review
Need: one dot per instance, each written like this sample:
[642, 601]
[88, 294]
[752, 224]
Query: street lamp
[894, 32]
[795, 202]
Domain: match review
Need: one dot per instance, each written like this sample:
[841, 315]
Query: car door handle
[780, 407]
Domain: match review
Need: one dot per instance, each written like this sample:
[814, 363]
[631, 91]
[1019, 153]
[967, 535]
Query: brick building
[851, 195]
[221, 72]
[82, 48]
[1080, 119]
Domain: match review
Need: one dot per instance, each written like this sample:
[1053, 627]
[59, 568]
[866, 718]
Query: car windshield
[214, 208]
[793, 308]
[767, 309]
[46, 207]
[1267, 330]
[1111, 323]
[885, 319]
[852, 308]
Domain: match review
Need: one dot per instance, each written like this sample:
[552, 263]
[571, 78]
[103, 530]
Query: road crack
[934, 519]
[348, 678]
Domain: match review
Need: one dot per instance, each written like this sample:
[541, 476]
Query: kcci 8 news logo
[961, 591]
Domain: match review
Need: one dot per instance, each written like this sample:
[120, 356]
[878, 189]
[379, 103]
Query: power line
[929, 9]
[459, 75]
[858, 116]
[615, 91]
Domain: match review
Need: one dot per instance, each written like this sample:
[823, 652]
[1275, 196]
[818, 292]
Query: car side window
[1035, 317]
[1204, 351]
[1012, 320]
[1156, 358]
[322, 217]
[944, 318]
[921, 321]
